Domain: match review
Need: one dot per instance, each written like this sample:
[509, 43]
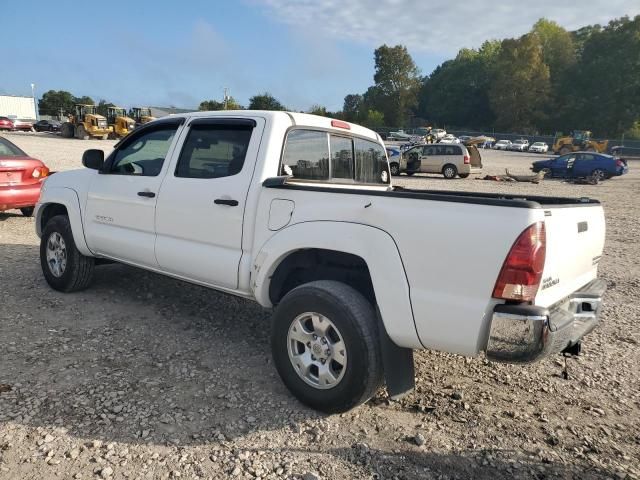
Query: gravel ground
[144, 377]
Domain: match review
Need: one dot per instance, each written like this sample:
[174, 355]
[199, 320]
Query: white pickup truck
[297, 212]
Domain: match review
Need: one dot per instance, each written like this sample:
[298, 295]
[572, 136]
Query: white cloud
[438, 27]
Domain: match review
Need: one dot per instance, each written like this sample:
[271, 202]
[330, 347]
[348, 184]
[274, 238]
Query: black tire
[27, 211]
[598, 175]
[463, 175]
[395, 169]
[78, 272]
[449, 171]
[410, 173]
[81, 133]
[355, 320]
[67, 130]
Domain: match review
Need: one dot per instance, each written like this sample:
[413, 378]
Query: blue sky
[302, 51]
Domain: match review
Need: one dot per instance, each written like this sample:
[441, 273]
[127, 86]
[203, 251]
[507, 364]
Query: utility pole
[226, 97]
[35, 103]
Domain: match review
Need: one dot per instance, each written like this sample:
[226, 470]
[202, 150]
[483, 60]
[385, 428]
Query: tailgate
[575, 239]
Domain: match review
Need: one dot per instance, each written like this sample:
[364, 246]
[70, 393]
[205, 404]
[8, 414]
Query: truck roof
[297, 119]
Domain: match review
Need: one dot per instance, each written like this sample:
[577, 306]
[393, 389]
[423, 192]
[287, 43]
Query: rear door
[202, 200]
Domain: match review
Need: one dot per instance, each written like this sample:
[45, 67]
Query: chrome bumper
[526, 333]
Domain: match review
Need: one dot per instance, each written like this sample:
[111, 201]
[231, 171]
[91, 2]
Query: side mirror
[93, 159]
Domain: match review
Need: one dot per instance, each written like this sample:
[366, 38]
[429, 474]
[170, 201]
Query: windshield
[8, 149]
[538, 144]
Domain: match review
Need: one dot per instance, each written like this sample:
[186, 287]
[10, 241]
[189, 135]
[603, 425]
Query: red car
[6, 123]
[21, 177]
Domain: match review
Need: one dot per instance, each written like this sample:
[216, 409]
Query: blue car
[597, 166]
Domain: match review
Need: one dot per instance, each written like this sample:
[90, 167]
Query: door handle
[226, 201]
[146, 194]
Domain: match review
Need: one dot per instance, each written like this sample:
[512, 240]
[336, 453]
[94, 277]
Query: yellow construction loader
[579, 140]
[85, 124]
[120, 124]
[141, 115]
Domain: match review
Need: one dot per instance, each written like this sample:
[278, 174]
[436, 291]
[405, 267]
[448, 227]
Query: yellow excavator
[85, 124]
[579, 140]
[121, 125]
[141, 115]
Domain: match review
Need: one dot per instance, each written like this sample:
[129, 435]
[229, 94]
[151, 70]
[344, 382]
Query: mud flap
[399, 372]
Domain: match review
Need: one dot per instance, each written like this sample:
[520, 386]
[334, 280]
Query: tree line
[547, 80]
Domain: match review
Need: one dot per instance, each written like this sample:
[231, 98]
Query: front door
[429, 159]
[121, 202]
[201, 203]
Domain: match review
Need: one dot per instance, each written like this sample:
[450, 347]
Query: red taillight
[521, 272]
[340, 124]
[467, 160]
[40, 172]
[619, 163]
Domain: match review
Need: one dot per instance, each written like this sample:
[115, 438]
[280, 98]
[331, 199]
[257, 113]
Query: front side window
[306, 155]
[144, 155]
[214, 151]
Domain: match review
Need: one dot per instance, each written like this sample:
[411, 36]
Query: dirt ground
[144, 377]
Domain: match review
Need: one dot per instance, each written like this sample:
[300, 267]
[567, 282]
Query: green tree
[373, 119]
[210, 105]
[318, 110]
[55, 102]
[265, 101]
[84, 100]
[456, 93]
[397, 81]
[232, 104]
[519, 93]
[603, 89]
[352, 109]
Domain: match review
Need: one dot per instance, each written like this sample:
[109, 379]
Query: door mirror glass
[93, 159]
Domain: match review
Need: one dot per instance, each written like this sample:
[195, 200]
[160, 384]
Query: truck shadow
[137, 358]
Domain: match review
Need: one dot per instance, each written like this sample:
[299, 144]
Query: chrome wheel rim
[598, 175]
[316, 350]
[56, 254]
[448, 172]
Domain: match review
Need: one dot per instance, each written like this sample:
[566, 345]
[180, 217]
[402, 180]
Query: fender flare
[68, 198]
[375, 246]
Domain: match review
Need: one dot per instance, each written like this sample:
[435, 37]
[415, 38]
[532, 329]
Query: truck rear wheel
[81, 133]
[64, 267]
[325, 346]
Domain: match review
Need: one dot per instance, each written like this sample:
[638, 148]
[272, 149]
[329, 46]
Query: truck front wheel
[63, 266]
[325, 346]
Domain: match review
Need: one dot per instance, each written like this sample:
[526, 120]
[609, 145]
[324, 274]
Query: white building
[23, 108]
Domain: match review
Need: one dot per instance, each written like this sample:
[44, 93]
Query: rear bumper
[19, 196]
[526, 333]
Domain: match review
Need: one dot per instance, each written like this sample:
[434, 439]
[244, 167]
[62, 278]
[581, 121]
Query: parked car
[438, 133]
[446, 159]
[359, 272]
[626, 153]
[520, 145]
[6, 123]
[598, 166]
[394, 155]
[22, 125]
[539, 147]
[448, 138]
[47, 126]
[502, 145]
[21, 177]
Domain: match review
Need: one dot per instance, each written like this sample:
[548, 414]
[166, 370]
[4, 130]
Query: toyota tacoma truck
[297, 212]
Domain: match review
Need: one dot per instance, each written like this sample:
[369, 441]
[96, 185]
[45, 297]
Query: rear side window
[341, 157]
[306, 155]
[316, 155]
[371, 162]
[213, 151]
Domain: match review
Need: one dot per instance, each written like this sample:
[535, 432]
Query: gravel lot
[145, 377]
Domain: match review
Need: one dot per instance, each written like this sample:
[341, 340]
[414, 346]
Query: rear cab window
[331, 157]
